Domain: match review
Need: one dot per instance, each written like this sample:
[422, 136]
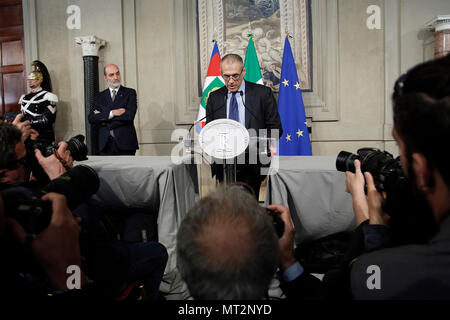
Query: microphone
[187, 142]
[242, 98]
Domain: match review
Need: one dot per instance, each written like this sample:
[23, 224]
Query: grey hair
[227, 248]
[231, 58]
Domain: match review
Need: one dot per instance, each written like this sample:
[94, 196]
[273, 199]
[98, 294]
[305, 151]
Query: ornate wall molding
[322, 104]
[30, 32]
[322, 101]
[185, 61]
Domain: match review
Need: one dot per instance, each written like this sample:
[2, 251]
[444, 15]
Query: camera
[78, 149]
[411, 218]
[277, 222]
[25, 205]
[36, 124]
[76, 146]
[386, 171]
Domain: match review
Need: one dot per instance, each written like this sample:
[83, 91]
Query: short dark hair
[10, 136]
[423, 123]
[421, 112]
[227, 248]
[430, 77]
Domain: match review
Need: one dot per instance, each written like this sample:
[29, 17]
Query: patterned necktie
[234, 111]
[114, 92]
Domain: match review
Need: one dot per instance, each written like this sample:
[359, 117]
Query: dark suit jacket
[122, 126]
[263, 115]
[258, 98]
[408, 272]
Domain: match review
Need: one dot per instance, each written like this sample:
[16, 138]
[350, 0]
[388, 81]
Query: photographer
[421, 103]
[112, 265]
[228, 249]
[53, 256]
[15, 161]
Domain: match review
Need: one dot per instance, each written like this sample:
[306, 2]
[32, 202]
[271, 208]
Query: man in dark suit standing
[251, 104]
[114, 110]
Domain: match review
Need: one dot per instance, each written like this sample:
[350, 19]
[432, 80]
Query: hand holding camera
[354, 184]
[375, 202]
[53, 256]
[390, 195]
[286, 241]
[23, 126]
[51, 164]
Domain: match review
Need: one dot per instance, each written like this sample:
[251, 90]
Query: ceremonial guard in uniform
[39, 106]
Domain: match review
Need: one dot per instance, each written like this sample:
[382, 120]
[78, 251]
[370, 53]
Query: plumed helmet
[39, 72]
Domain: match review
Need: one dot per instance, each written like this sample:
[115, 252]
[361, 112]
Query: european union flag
[295, 139]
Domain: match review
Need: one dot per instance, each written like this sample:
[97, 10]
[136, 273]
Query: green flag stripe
[251, 64]
[214, 85]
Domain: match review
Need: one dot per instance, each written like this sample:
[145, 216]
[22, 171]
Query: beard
[411, 217]
[113, 84]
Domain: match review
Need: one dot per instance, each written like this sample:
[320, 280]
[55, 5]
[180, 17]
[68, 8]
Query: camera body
[386, 171]
[411, 218]
[24, 203]
[277, 222]
[78, 149]
[76, 146]
[37, 124]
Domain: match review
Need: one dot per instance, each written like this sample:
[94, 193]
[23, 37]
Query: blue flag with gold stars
[295, 139]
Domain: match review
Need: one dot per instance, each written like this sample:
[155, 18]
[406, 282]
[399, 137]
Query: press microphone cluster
[243, 102]
[187, 142]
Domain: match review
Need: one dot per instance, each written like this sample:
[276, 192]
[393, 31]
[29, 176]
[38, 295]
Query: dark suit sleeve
[209, 108]
[100, 117]
[127, 117]
[271, 116]
[304, 287]
[130, 111]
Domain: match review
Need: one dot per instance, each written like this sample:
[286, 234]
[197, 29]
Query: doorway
[12, 56]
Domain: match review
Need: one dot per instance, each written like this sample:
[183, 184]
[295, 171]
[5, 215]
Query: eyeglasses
[235, 77]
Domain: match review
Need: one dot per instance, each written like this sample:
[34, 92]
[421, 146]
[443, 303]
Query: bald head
[111, 74]
[227, 247]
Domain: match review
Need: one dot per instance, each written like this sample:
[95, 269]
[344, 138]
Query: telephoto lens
[345, 161]
[77, 147]
[78, 185]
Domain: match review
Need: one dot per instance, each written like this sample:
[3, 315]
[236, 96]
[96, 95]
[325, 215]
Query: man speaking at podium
[251, 104]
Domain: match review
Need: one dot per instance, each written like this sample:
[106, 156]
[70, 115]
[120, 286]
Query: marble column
[90, 46]
[441, 26]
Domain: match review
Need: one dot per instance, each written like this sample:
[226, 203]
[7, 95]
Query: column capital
[439, 23]
[90, 44]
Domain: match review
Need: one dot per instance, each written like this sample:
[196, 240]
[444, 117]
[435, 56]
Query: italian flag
[251, 64]
[213, 81]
